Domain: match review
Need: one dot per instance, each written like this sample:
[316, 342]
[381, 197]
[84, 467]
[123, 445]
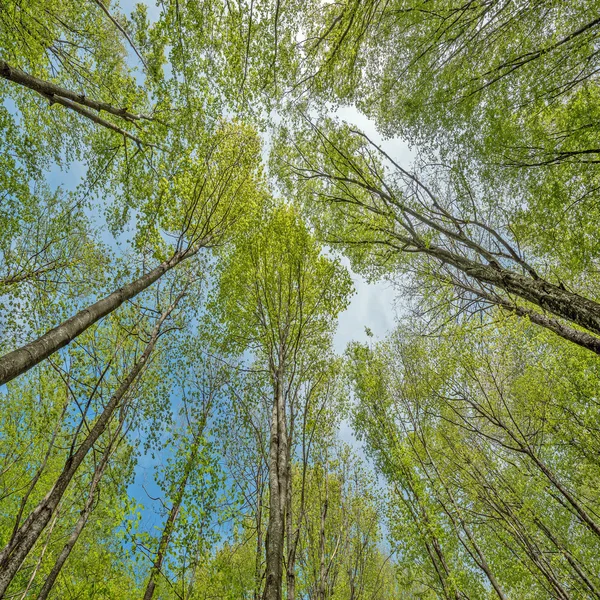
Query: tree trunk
[41, 556]
[259, 537]
[585, 518]
[478, 555]
[550, 297]
[165, 537]
[49, 89]
[322, 568]
[122, 30]
[39, 472]
[576, 336]
[21, 360]
[277, 491]
[13, 555]
[570, 558]
[292, 539]
[79, 526]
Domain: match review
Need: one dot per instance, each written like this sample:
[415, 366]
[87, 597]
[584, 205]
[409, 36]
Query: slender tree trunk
[277, 491]
[123, 31]
[21, 360]
[79, 526]
[13, 555]
[570, 558]
[165, 537]
[478, 555]
[322, 538]
[581, 512]
[531, 548]
[259, 537]
[41, 557]
[38, 473]
[432, 544]
[291, 539]
[512, 523]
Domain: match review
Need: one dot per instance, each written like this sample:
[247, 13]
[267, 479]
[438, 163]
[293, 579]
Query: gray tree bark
[22, 359]
[79, 526]
[277, 492]
[170, 522]
[47, 88]
[15, 552]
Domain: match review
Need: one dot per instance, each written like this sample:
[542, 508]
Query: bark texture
[277, 494]
[165, 537]
[47, 88]
[22, 359]
[546, 295]
[79, 526]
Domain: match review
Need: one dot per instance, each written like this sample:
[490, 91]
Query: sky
[374, 305]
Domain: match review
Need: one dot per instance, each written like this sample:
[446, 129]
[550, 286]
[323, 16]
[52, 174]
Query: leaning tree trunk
[259, 536]
[322, 589]
[552, 298]
[15, 552]
[21, 360]
[292, 540]
[477, 553]
[74, 101]
[79, 526]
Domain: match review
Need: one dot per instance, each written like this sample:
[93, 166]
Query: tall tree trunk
[167, 532]
[322, 589]
[21, 360]
[477, 554]
[569, 557]
[292, 540]
[567, 332]
[473, 260]
[546, 295]
[39, 472]
[584, 516]
[15, 552]
[259, 536]
[40, 559]
[74, 101]
[277, 491]
[79, 526]
[511, 521]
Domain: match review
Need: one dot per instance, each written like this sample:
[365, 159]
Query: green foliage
[478, 414]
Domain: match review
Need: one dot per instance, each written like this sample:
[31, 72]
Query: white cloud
[372, 306]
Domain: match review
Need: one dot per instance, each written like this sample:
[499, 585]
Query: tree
[24, 538]
[191, 476]
[278, 296]
[502, 92]
[204, 205]
[437, 415]
[381, 213]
